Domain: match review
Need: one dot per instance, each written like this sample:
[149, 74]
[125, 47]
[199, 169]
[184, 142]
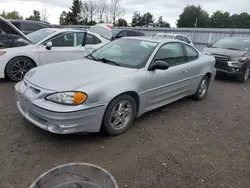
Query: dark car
[29, 26]
[10, 36]
[232, 57]
[119, 33]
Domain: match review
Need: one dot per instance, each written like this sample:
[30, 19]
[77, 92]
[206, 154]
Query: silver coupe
[112, 86]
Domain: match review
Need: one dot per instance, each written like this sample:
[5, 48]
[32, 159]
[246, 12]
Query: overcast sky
[169, 9]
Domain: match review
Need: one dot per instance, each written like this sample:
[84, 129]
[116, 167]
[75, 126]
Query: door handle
[184, 71]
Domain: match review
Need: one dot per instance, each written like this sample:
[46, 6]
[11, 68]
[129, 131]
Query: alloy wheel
[203, 88]
[20, 68]
[121, 114]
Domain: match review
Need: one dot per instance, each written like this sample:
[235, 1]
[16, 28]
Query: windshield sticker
[146, 44]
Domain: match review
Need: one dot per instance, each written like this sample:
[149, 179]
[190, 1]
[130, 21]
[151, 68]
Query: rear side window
[17, 25]
[178, 37]
[91, 39]
[140, 34]
[30, 27]
[132, 33]
[191, 53]
[123, 34]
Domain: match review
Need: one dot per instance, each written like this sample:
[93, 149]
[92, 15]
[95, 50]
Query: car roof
[64, 29]
[153, 39]
[171, 34]
[29, 21]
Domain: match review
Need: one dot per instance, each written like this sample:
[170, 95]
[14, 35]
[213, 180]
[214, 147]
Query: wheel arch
[133, 94]
[17, 57]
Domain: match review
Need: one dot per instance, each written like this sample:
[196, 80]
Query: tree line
[147, 20]
[192, 15]
[90, 12]
[37, 16]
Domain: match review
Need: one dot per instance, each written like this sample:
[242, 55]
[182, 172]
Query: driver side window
[65, 40]
[171, 53]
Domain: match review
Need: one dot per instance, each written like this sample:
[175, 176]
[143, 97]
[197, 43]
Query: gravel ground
[185, 144]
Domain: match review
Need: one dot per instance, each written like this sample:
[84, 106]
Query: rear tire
[244, 76]
[202, 88]
[119, 115]
[18, 67]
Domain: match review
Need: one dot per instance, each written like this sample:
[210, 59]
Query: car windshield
[39, 35]
[164, 36]
[125, 52]
[233, 44]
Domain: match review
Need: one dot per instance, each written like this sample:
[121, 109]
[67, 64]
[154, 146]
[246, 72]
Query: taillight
[2, 52]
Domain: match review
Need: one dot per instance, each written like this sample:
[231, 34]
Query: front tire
[18, 67]
[202, 88]
[244, 76]
[119, 115]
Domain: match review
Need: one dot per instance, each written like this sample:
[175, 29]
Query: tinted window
[66, 40]
[140, 34]
[178, 37]
[17, 24]
[171, 53]
[30, 27]
[191, 53]
[123, 34]
[132, 33]
[37, 36]
[233, 44]
[127, 52]
[91, 39]
[184, 39]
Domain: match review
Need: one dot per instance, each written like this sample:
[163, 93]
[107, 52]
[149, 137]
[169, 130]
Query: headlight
[237, 62]
[69, 97]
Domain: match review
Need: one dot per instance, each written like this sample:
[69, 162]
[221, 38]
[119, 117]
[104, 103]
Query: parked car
[183, 38]
[29, 26]
[10, 36]
[113, 85]
[232, 57]
[48, 46]
[119, 33]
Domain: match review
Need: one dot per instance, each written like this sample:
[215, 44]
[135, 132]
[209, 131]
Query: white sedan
[48, 46]
[180, 37]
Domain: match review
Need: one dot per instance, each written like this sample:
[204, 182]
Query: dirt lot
[185, 144]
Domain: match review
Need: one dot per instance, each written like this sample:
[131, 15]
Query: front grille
[221, 62]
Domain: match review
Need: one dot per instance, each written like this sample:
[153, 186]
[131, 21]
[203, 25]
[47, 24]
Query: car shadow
[226, 78]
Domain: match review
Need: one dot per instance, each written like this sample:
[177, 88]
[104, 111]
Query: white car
[51, 45]
[181, 37]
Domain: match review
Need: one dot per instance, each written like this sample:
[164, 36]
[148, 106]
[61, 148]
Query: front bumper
[222, 67]
[88, 119]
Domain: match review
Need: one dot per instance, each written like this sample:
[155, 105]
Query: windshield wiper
[91, 56]
[104, 60]
[232, 48]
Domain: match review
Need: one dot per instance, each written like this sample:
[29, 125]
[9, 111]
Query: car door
[65, 47]
[165, 86]
[194, 66]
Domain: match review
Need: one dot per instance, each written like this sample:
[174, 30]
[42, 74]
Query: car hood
[225, 52]
[71, 75]
[9, 28]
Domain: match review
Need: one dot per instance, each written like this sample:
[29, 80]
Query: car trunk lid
[103, 29]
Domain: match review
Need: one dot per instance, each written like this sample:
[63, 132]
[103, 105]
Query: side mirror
[209, 45]
[158, 64]
[49, 45]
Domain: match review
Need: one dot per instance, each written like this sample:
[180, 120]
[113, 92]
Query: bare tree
[102, 7]
[44, 15]
[116, 9]
[89, 9]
